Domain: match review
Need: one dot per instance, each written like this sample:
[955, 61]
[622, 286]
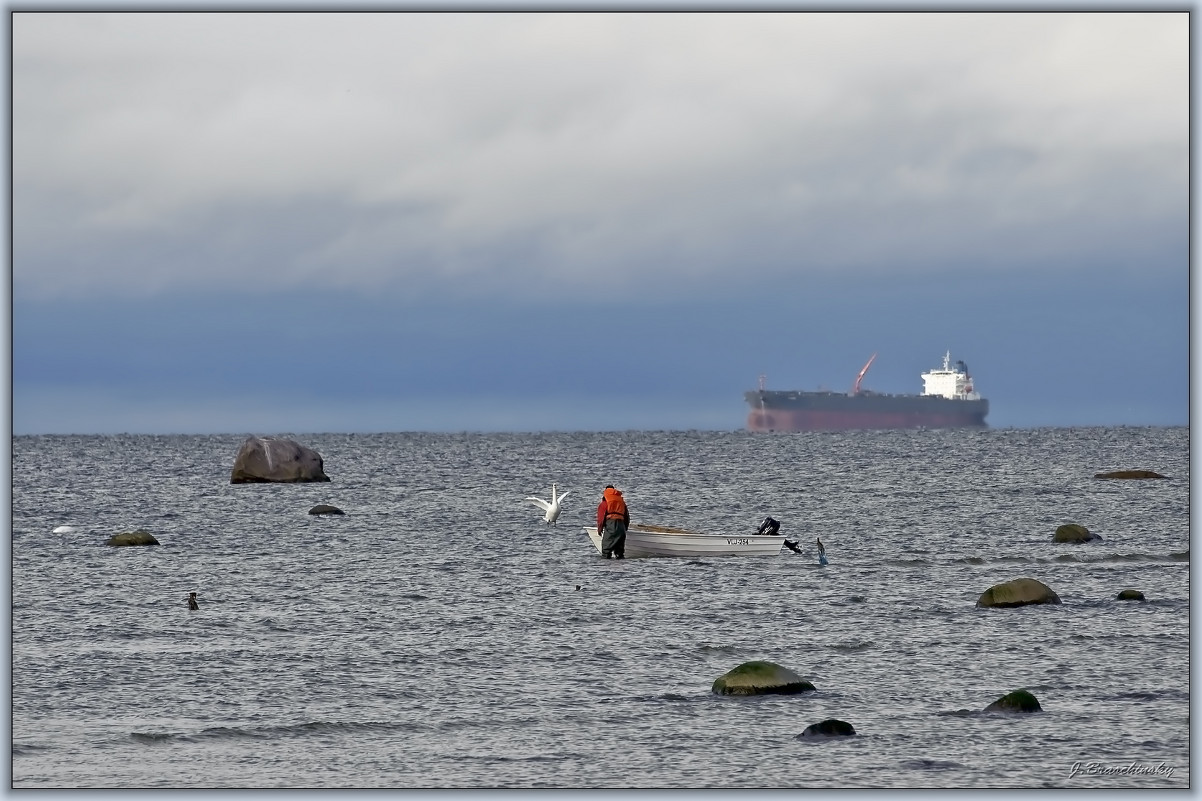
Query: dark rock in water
[1073, 532]
[1130, 595]
[324, 509]
[138, 537]
[1019, 592]
[1129, 474]
[761, 678]
[268, 459]
[828, 728]
[1017, 701]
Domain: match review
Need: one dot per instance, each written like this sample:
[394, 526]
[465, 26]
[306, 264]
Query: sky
[271, 223]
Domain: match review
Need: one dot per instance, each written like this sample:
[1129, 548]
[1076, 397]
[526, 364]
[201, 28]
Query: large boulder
[1019, 592]
[1017, 701]
[1075, 532]
[828, 728]
[326, 509]
[1128, 474]
[761, 678]
[139, 537]
[268, 459]
[1130, 595]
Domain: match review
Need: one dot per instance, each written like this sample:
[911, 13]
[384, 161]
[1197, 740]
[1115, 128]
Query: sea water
[441, 635]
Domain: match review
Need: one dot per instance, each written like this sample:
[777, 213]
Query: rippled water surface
[441, 635]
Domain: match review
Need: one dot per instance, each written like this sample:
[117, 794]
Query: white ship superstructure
[951, 382]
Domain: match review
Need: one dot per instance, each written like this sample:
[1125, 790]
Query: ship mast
[855, 390]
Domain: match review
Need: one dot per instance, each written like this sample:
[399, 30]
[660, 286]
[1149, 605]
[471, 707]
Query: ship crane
[855, 390]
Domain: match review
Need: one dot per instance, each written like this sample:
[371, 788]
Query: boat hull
[822, 411]
[661, 541]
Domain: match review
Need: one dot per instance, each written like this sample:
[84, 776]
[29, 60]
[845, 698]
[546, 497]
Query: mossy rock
[1074, 532]
[1130, 595]
[326, 509]
[138, 537]
[761, 678]
[1019, 592]
[1017, 701]
[828, 728]
[1129, 474]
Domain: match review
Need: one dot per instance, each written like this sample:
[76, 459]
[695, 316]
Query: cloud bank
[506, 153]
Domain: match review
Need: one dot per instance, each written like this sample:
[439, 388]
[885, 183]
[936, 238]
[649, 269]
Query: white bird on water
[551, 507]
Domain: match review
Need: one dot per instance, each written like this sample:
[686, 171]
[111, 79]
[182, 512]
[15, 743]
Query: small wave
[675, 697]
[959, 713]
[232, 733]
[852, 647]
[905, 562]
[721, 649]
[415, 596]
[28, 749]
[154, 737]
[1146, 695]
[1117, 558]
[294, 730]
[931, 764]
[1136, 696]
[973, 560]
[337, 727]
[1182, 556]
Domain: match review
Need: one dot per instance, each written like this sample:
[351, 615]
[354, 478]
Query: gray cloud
[163, 151]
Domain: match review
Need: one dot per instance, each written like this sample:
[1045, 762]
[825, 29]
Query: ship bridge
[953, 381]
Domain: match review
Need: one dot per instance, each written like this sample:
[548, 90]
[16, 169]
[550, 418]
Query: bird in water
[192, 601]
[551, 507]
[64, 530]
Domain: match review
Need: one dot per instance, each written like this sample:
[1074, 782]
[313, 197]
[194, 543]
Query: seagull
[551, 508]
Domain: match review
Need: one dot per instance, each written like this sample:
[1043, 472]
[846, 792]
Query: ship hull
[821, 411]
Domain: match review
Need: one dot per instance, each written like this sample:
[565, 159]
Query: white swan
[552, 506]
[64, 530]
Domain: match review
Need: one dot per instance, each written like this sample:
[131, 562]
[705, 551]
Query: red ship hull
[833, 420]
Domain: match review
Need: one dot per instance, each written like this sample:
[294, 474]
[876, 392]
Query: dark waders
[613, 539]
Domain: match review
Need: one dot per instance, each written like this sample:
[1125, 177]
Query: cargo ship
[948, 400]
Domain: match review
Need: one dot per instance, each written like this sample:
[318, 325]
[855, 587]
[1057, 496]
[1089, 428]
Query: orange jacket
[612, 506]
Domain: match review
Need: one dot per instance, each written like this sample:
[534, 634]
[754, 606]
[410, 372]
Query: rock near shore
[268, 459]
[1075, 532]
[1136, 474]
[761, 678]
[828, 728]
[1017, 701]
[1019, 592]
[139, 537]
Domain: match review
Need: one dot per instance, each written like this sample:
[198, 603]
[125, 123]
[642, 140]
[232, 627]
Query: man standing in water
[613, 518]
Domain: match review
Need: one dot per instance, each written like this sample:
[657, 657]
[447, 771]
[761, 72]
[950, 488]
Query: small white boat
[645, 540]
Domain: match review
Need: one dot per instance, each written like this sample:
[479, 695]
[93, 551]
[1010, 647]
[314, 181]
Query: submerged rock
[1130, 595]
[1074, 532]
[828, 728]
[325, 509]
[760, 678]
[139, 537]
[1129, 474]
[268, 459]
[1017, 701]
[1019, 592]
